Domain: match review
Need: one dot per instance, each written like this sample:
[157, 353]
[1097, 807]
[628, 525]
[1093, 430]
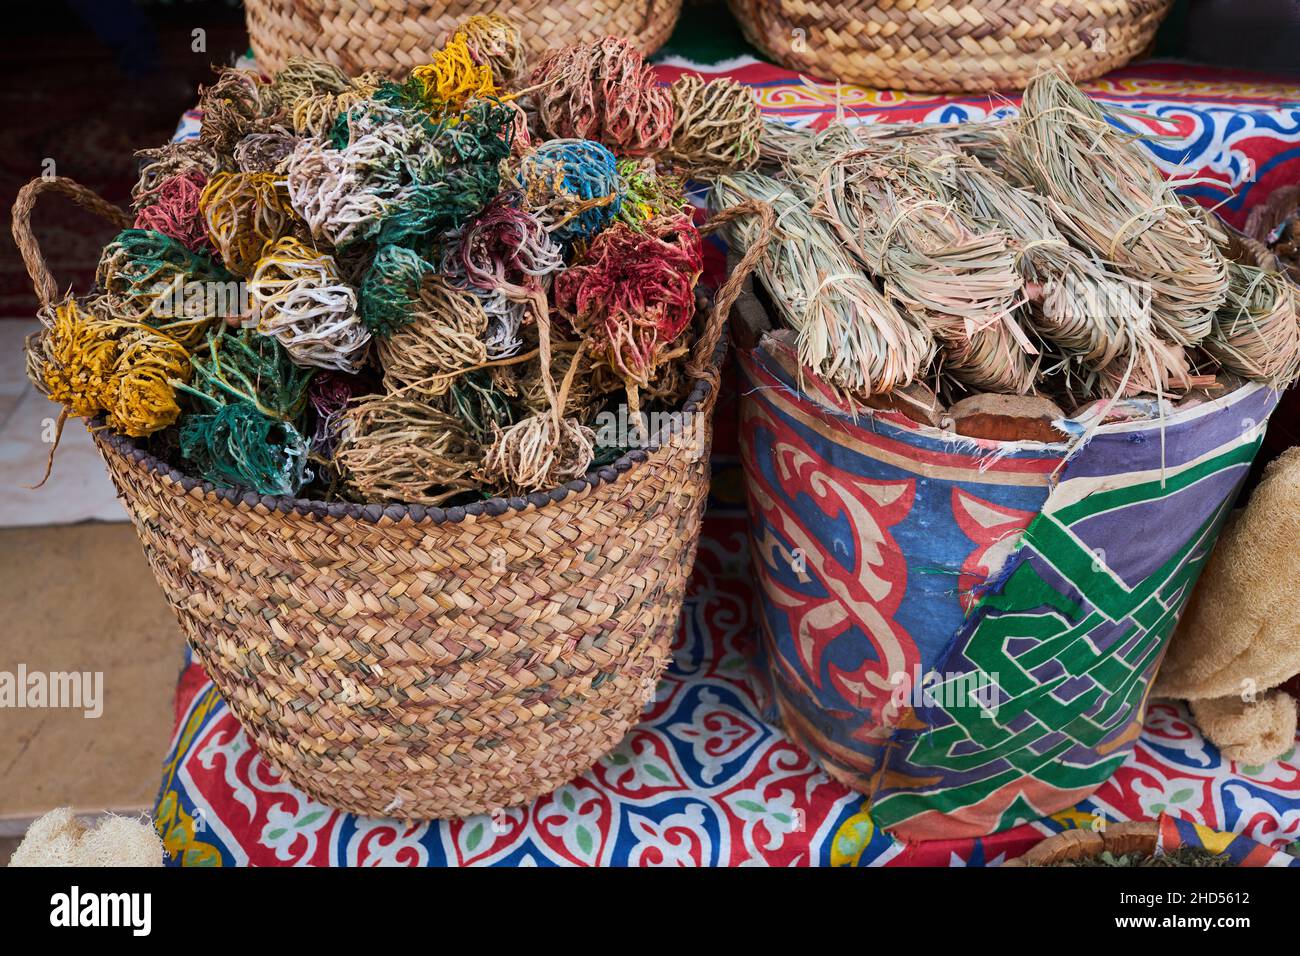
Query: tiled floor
[81, 598]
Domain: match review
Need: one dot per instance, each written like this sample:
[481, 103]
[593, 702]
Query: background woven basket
[396, 36]
[949, 45]
[421, 662]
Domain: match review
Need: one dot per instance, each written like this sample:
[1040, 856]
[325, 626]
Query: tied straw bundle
[1113, 201]
[848, 332]
[888, 202]
[1052, 231]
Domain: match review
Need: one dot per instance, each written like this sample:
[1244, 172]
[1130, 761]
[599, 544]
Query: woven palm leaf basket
[949, 45]
[420, 662]
[395, 36]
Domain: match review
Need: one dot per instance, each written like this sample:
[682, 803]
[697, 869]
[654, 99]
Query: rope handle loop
[42, 281]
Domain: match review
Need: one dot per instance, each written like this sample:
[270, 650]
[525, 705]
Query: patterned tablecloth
[705, 779]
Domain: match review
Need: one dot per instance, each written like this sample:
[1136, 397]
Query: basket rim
[374, 512]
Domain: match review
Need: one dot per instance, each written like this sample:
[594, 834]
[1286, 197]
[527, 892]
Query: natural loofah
[172, 208]
[245, 213]
[299, 299]
[716, 126]
[1234, 636]
[573, 186]
[444, 337]
[402, 449]
[1249, 732]
[603, 90]
[59, 839]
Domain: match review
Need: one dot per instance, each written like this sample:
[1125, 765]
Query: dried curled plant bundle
[265, 152]
[892, 205]
[1113, 200]
[540, 452]
[303, 76]
[72, 357]
[151, 279]
[495, 42]
[171, 160]
[580, 403]
[849, 333]
[393, 448]
[1256, 333]
[1091, 313]
[632, 295]
[716, 126]
[149, 364]
[245, 213]
[603, 90]
[237, 104]
[444, 337]
[172, 208]
[300, 300]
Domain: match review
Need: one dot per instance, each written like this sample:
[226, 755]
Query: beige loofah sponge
[1250, 734]
[60, 839]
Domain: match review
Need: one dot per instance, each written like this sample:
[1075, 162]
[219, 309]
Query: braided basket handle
[42, 281]
[701, 366]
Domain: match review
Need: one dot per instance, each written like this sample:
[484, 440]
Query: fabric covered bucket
[965, 629]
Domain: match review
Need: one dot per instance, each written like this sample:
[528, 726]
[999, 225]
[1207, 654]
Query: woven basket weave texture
[949, 45]
[396, 36]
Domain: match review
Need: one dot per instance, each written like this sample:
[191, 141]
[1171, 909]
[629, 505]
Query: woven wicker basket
[396, 36]
[949, 45]
[422, 662]
[1140, 836]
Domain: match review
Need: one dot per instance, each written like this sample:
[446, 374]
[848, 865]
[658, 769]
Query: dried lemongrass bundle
[393, 448]
[891, 204]
[1091, 313]
[1114, 201]
[1256, 334]
[848, 332]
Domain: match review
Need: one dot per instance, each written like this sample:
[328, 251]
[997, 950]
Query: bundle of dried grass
[1091, 313]
[889, 202]
[1256, 334]
[848, 332]
[1113, 200]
